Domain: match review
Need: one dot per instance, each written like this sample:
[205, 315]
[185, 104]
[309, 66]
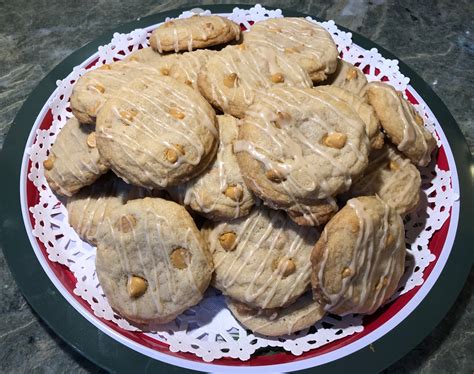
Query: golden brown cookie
[298, 148]
[403, 125]
[234, 77]
[363, 109]
[262, 259]
[73, 161]
[96, 86]
[157, 132]
[348, 77]
[193, 33]
[304, 42]
[360, 257]
[152, 262]
[300, 315]
[220, 192]
[393, 178]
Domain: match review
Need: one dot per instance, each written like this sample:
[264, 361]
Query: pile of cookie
[267, 167]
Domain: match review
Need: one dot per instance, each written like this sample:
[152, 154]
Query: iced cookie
[304, 42]
[401, 122]
[393, 178]
[363, 109]
[157, 132]
[220, 192]
[88, 208]
[73, 160]
[152, 262]
[298, 148]
[93, 89]
[300, 315]
[193, 33]
[233, 78]
[182, 67]
[348, 77]
[360, 257]
[262, 259]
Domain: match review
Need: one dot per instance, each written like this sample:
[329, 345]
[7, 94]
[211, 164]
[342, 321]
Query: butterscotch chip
[171, 155]
[230, 80]
[235, 193]
[179, 258]
[49, 163]
[128, 115]
[176, 113]
[274, 176]
[105, 67]
[99, 88]
[277, 78]
[389, 240]
[91, 140]
[351, 74]
[126, 223]
[335, 140]
[165, 71]
[227, 240]
[418, 120]
[136, 286]
[287, 266]
[346, 272]
[393, 165]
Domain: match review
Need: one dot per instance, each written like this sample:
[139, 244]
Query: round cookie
[96, 86]
[220, 192]
[298, 148]
[262, 259]
[360, 257]
[152, 262]
[193, 33]
[401, 122]
[73, 161]
[363, 109]
[348, 77]
[157, 132]
[88, 208]
[304, 42]
[300, 315]
[182, 67]
[234, 77]
[393, 178]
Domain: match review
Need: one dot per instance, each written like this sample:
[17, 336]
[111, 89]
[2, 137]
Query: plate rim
[78, 331]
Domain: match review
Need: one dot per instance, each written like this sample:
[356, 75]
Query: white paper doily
[209, 330]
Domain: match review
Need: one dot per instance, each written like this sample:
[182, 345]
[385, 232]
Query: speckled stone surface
[435, 38]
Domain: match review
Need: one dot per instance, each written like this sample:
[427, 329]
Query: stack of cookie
[299, 168]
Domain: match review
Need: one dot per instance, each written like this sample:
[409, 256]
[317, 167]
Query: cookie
[348, 77]
[220, 192]
[262, 259]
[304, 42]
[88, 208]
[360, 257]
[298, 148]
[300, 315]
[363, 109]
[233, 78]
[393, 178]
[157, 132]
[96, 86]
[152, 262]
[193, 33]
[73, 161]
[183, 67]
[403, 125]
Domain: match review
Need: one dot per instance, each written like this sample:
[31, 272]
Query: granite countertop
[435, 38]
